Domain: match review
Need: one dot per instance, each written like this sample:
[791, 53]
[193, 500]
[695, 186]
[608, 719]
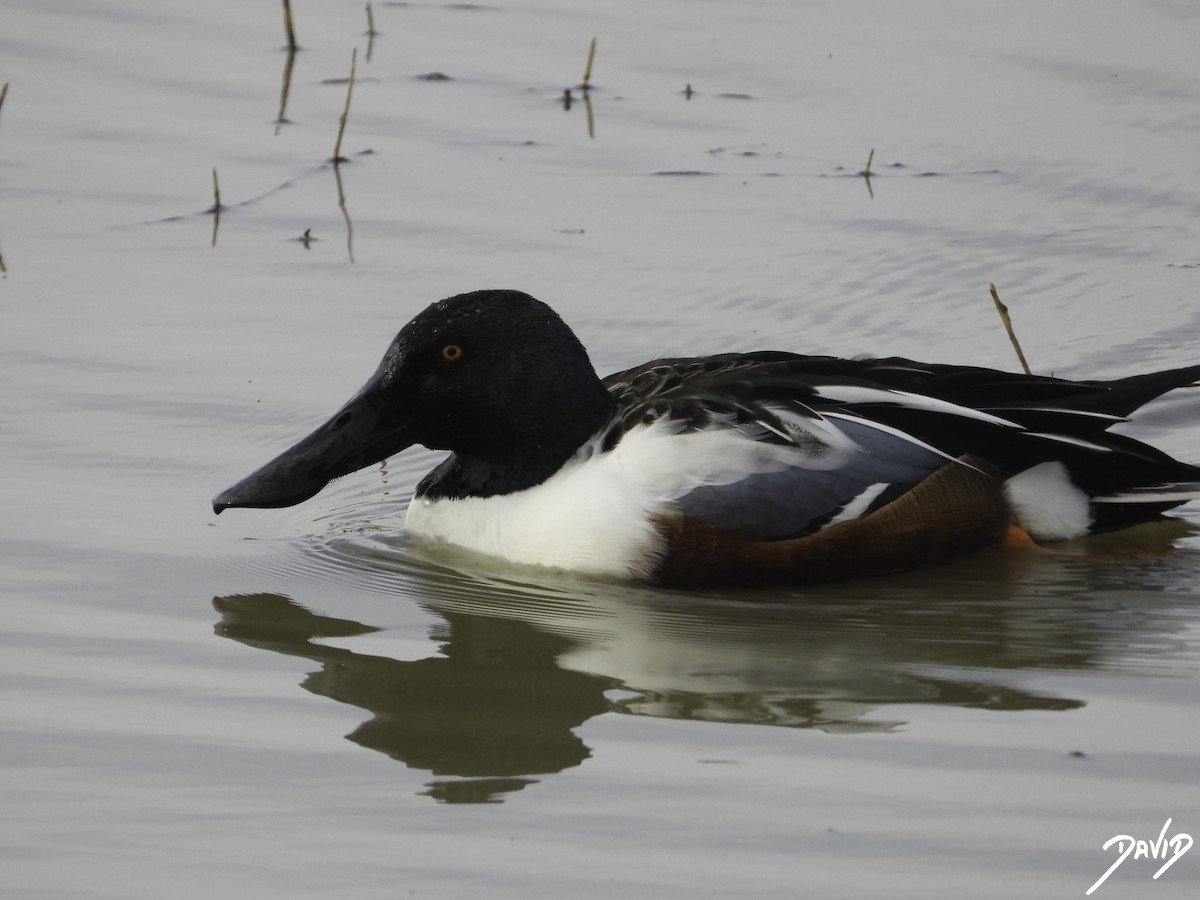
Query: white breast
[582, 521]
[594, 515]
[587, 518]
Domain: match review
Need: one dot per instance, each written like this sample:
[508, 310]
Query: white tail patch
[1047, 503]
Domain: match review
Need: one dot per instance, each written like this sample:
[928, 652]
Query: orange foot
[1017, 538]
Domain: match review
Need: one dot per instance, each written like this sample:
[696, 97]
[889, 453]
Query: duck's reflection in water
[492, 708]
[520, 665]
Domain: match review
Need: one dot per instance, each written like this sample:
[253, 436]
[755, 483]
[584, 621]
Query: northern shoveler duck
[736, 469]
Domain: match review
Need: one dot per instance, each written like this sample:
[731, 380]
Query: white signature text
[1177, 845]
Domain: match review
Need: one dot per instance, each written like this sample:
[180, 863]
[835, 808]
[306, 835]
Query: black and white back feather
[840, 437]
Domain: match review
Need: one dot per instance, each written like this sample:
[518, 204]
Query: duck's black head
[495, 376]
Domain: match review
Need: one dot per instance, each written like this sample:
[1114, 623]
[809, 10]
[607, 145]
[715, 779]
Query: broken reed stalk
[587, 71]
[287, 25]
[371, 32]
[288, 67]
[337, 148]
[1007, 320]
[216, 207]
[866, 173]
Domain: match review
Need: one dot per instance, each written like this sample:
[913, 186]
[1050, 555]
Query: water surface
[299, 703]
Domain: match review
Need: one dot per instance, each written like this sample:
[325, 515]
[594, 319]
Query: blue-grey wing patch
[800, 499]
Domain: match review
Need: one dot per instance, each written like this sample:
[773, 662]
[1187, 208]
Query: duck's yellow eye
[452, 353]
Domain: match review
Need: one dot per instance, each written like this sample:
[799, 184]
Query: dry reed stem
[587, 71]
[1008, 326]
[337, 147]
[216, 208]
[288, 27]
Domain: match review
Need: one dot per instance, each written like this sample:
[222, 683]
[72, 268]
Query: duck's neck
[532, 442]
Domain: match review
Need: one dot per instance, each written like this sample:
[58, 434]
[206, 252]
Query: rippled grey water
[297, 703]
